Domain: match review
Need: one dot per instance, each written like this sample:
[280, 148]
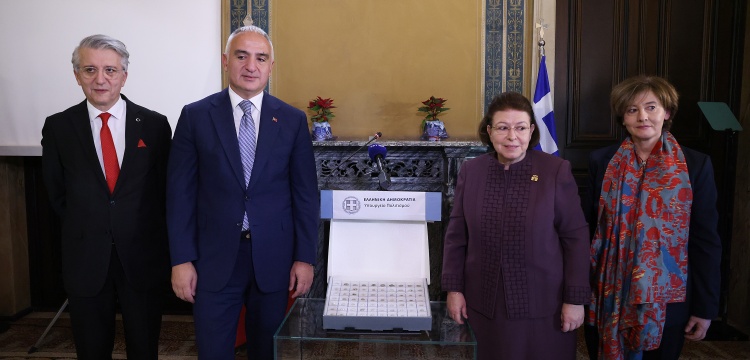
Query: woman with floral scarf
[655, 267]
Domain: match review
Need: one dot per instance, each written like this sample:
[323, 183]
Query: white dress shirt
[237, 112]
[116, 125]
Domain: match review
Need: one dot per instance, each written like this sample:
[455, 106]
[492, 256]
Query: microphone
[374, 137]
[341, 164]
[377, 154]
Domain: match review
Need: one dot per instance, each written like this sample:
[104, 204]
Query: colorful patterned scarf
[639, 252]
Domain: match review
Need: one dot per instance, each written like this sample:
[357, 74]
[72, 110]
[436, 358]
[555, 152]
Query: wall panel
[695, 44]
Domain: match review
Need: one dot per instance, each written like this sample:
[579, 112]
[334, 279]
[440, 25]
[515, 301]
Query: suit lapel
[82, 127]
[133, 131]
[223, 120]
[269, 129]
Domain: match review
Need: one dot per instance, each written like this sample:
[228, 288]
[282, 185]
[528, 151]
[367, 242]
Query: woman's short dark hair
[509, 100]
[624, 93]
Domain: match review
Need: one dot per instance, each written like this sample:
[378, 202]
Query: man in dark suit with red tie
[242, 204]
[104, 164]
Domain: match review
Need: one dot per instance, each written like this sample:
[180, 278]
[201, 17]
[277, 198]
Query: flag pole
[541, 47]
[540, 27]
[542, 101]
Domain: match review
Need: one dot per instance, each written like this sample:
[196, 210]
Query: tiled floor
[177, 342]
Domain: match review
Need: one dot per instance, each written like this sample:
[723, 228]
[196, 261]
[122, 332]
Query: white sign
[379, 205]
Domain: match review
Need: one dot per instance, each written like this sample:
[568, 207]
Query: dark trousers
[93, 318]
[672, 340]
[217, 314]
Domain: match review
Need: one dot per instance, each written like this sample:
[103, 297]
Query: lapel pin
[275, 120]
[137, 119]
[534, 178]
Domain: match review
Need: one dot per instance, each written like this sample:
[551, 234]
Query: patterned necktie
[109, 154]
[247, 147]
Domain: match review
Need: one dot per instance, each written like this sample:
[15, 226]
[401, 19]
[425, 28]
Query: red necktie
[109, 154]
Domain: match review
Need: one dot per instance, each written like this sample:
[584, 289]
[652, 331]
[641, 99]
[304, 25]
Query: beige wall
[378, 59]
[544, 13]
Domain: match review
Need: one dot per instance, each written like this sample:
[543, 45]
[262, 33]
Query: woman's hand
[571, 317]
[457, 306]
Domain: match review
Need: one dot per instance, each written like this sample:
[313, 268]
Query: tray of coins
[377, 305]
[378, 259]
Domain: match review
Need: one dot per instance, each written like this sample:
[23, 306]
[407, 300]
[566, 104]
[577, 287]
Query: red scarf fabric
[639, 251]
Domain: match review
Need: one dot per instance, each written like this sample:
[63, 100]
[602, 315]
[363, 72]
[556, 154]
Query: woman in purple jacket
[515, 262]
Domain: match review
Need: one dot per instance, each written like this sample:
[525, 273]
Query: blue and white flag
[543, 112]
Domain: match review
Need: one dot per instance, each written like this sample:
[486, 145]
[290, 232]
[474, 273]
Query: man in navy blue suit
[238, 238]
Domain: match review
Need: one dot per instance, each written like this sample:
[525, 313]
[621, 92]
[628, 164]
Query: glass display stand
[301, 336]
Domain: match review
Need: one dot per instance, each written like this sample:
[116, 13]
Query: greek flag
[543, 112]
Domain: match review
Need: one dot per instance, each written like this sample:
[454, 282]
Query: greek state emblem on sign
[350, 205]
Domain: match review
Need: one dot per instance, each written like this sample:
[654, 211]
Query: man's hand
[696, 328]
[300, 278]
[184, 279]
[456, 304]
[571, 317]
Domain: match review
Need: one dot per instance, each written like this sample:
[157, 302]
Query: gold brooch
[534, 178]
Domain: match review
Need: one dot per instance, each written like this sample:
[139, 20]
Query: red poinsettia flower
[322, 108]
[433, 106]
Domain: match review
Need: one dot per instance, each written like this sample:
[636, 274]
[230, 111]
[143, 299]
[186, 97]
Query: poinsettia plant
[322, 109]
[433, 106]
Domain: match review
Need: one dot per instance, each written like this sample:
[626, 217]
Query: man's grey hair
[101, 42]
[249, 28]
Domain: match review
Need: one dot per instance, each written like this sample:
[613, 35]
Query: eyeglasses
[504, 129]
[89, 72]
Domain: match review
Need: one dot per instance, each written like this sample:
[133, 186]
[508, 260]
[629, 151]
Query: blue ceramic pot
[434, 130]
[321, 131]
